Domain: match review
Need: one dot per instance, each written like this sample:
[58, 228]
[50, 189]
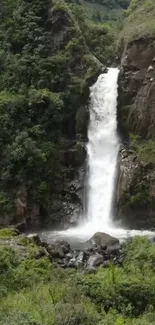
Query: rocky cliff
[136, 120]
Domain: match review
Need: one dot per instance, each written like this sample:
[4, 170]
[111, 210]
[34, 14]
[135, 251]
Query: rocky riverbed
[100, 250]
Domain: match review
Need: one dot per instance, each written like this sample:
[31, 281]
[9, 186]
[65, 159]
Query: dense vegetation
[47, 64]
[103, 10]
[36, 292]
[139, 20]
[112, 3]
[44, 79]
[99, 37]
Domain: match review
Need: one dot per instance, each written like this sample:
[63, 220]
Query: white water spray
[103, 146]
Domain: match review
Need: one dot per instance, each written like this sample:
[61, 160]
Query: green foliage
[131, 289]
[100, 11]
[139, 256]
[41, 292]
[99, 37]
[18, 319]
[37, 292]
[139, 20]
[8, 260]
[66, 314]
[40, 92]
[25, 241]
[8, 232]
[138, 198]
[100, 40]
[145, 150]
[139, 194]
[141, 198]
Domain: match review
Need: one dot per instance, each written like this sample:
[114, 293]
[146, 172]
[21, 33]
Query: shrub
[69, 314]
[8, 232]
[17, 319]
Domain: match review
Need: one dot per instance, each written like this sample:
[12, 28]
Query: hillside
[139, 20]
[50, 54]
[104, 10]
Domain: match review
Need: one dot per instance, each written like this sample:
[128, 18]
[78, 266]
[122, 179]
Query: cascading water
[102, 151]
[103, 146]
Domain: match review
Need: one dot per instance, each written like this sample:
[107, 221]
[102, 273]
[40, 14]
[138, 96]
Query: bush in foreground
[36, 292]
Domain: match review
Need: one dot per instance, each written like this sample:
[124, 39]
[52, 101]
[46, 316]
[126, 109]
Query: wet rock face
[67, 201]
[135, 192]
[136, 117]
[139, 54]
[137, 88]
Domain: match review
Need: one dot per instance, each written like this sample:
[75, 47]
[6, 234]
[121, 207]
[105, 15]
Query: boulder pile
[101, 250]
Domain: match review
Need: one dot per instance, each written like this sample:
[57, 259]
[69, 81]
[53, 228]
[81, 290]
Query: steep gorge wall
[136, 120]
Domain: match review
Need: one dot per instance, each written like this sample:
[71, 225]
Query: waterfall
[102, 149]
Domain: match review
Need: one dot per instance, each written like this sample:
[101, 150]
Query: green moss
[145, 150]
[25, 241]
[139, 198]
[8, 232]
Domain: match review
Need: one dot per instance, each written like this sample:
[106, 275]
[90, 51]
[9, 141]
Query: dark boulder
[95, 260]
[102, 239]
[56, 251]
[81, 257]
[64, 245]
[114, 249]
[21, 227]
